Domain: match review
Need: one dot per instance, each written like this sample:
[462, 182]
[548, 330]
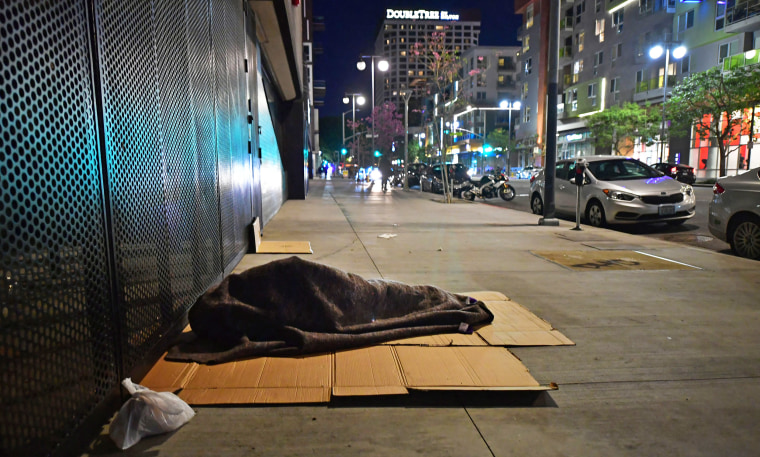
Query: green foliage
[618, 125]
[710, 100]
[499, 138]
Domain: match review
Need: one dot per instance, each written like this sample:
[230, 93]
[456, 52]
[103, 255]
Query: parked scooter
[490, 186]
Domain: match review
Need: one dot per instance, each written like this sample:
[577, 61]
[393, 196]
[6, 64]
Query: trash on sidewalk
[387, 236]
[147, 413]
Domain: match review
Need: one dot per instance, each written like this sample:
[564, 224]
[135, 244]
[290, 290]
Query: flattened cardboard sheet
[284, 247]
[443, 339]
[367, 371]
[169, 376]
[277, 247]
[463, 368]
[514, 325]
[438, 362]
[263, 380]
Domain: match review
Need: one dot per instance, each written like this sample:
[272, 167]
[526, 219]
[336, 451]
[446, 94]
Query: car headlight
[687, 190]
[617, 195]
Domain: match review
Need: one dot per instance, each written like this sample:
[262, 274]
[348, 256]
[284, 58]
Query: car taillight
[718, 189]
[674, 170]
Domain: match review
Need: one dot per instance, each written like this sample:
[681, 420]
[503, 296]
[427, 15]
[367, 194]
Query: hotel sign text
[422, 15]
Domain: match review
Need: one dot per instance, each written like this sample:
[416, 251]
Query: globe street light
[354, 99]
[655, 52]
[382, 65]
[508, 105]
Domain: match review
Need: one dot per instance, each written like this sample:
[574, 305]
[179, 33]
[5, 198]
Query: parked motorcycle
[504, 189]
[489, 186]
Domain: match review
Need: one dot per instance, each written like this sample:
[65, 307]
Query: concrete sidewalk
[666, 362]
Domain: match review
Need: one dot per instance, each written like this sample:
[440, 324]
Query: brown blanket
[294, 306]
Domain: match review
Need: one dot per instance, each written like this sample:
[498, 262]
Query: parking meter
[580, 167]
[580, 178]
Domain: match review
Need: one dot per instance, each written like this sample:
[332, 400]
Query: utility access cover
[611, 260]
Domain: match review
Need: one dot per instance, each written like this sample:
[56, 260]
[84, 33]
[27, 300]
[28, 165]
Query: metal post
[372, 115]
[353, 129]
[508, 168]
[406, 142]
[664, 97]
[551, 117]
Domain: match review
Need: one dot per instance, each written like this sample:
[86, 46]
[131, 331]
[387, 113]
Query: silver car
[735, 213]
[617, 190]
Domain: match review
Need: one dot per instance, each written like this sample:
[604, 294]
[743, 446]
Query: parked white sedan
[735, 213]
[618, 190]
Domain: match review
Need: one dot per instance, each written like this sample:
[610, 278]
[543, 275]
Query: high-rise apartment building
[604, 61]
[401, 29]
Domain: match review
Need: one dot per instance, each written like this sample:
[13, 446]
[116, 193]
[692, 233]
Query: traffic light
[377, 154]
[344, 151]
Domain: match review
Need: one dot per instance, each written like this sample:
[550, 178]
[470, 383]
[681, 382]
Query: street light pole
[382, 65]
[655, 53]
[664, 96]
[354, 99]
[509, 105]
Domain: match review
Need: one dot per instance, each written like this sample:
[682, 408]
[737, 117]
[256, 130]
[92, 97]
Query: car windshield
[616, 170]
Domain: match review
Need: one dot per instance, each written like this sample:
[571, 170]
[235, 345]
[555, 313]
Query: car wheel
[745, 238]
[537, 205]
[678, 222]
[595, 214]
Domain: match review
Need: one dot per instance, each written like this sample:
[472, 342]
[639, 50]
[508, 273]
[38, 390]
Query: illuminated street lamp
[655, 53]
[354, 99]
[382, 65]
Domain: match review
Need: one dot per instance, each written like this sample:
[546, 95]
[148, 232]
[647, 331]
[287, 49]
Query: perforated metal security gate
[126, 192]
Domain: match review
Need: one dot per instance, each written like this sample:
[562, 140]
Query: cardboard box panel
[168, 376]
[255, 396]
[444, 339]
[514, 325]
[274, 372]
[367, 371]
[462, 367]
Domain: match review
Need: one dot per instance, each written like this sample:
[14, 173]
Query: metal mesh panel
[221, 49]
[206, 218]
[56, 332]
[100, 257]
[136, 169]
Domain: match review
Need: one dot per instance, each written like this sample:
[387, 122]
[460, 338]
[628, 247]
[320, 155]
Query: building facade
[401, 29]
[490, 101]
[140, 142]
[604, 61]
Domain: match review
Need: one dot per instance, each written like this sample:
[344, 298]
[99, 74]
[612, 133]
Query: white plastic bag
[147, 413]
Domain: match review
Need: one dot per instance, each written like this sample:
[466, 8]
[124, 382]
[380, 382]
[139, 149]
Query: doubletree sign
[421, 15]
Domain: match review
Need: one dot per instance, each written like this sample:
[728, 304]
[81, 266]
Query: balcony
[751, 57]
[742, 16]
[566, 52]
[652, 89]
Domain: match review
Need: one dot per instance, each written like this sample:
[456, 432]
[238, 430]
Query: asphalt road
[694, 232]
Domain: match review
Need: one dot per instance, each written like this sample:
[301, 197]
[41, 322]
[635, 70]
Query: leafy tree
[500, 138]
[713, 102]
[388, 126]
[416, 152]
[443, 64]
[360, 143]
[617, 126]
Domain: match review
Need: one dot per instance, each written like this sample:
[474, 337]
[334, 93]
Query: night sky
[351, 27]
